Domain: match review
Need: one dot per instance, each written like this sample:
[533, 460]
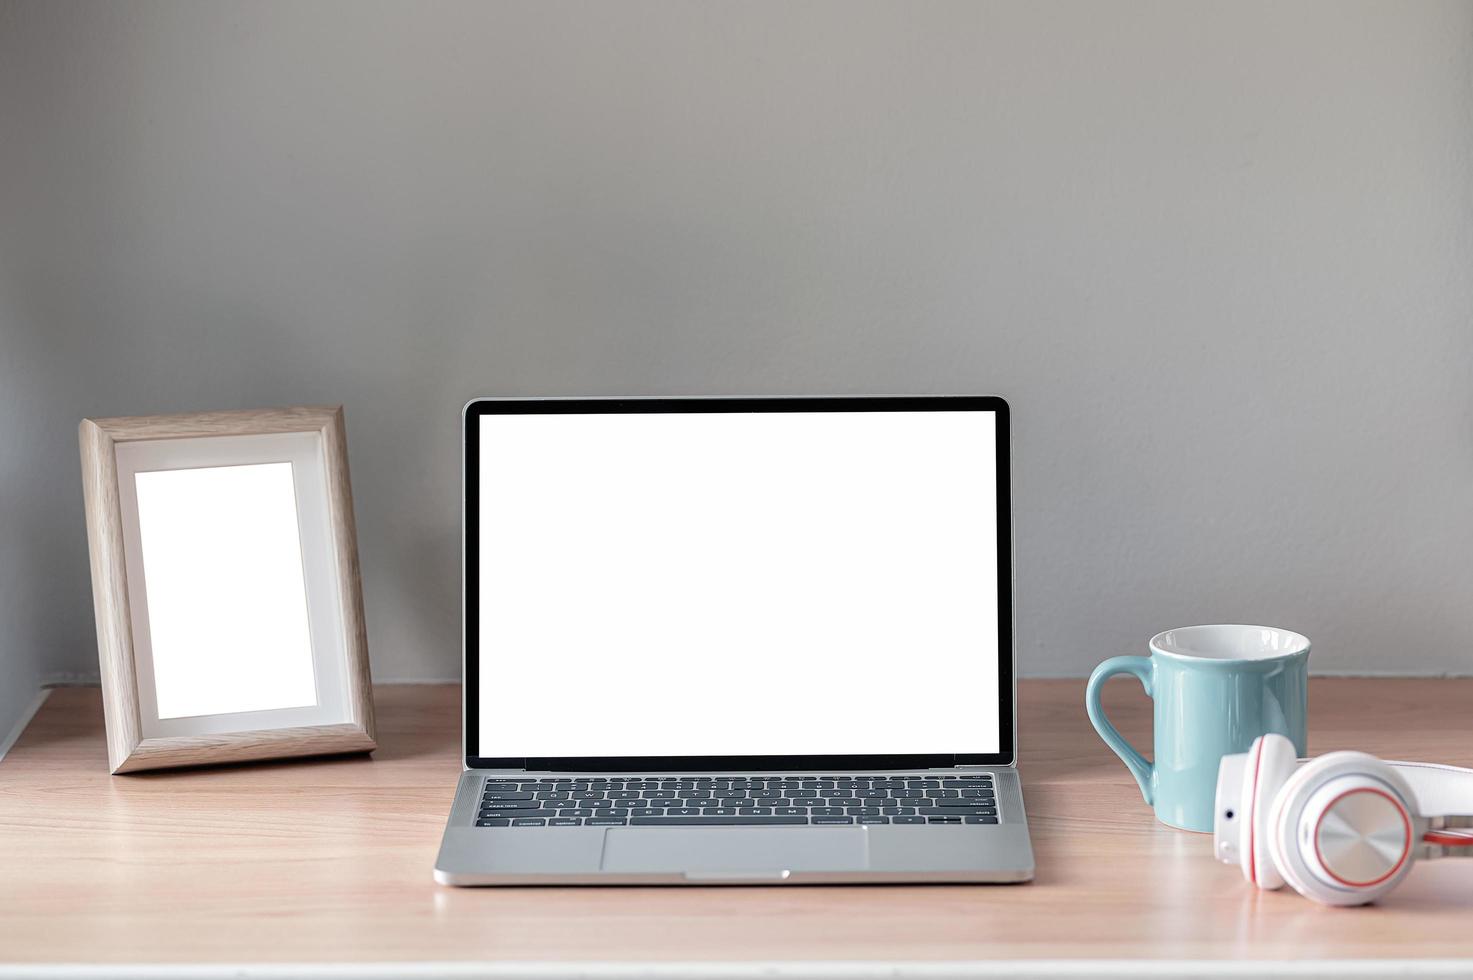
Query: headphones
[1343, 829]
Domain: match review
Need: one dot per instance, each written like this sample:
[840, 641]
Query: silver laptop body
[737, 641]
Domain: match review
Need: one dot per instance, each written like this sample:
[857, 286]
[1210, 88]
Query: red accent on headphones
[1251, 814]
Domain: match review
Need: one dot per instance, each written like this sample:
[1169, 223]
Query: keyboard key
[958, 812]
[831, 820]
[493, 822]
[944, 820]
[756, 811]
[605, 822]
[907, 819]
[529, 822]
[683, 811]
[499, 795]
[922, 784]
[791, 811]
[623, 794]
[553, 796]
[981, 819]
[874, 819]
[510, 805]
[862, 811]
[576, 813]
[487, 814]
[719, 811]
[898, 811]
[564, 822]
[646, 812]
[737, 821]
[827, 811]
[801, 794]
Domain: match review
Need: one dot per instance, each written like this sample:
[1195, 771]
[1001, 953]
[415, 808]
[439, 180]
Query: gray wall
[1217, 254]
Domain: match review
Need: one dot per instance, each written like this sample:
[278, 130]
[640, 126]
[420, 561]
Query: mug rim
[1301, 644]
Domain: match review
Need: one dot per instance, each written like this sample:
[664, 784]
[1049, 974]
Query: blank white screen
[805, 583]
[218, 540]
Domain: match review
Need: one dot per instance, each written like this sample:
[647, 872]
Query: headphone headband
[1441, 791]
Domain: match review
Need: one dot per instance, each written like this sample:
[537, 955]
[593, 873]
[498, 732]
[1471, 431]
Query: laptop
[737, 641]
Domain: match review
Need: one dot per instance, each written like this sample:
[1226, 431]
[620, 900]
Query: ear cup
[1343, 829]
[1271, 762]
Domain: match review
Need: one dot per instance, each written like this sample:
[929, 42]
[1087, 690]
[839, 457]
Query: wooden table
[330, 860]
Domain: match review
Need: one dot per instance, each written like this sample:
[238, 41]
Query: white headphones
[1343, 829]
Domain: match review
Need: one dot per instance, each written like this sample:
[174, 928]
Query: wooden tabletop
[330, 860]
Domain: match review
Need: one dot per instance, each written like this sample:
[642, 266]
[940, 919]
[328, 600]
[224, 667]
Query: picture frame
[226, 587]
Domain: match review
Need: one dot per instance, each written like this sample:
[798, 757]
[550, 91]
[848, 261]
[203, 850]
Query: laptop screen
[679, 578]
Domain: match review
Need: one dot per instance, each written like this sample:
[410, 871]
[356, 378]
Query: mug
[1215, 689]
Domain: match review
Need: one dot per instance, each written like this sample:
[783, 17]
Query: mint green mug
[1214, 689]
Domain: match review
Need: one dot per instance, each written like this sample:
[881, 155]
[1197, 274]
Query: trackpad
[737, 849]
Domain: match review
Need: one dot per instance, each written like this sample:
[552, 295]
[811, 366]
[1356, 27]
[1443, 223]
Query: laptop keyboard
[702, 801]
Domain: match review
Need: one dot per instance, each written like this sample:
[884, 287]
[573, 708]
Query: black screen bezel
[477, 408]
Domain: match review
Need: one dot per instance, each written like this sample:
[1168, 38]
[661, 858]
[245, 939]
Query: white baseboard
[23, 720]
[816, 970]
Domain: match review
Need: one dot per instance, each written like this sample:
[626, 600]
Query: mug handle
[1140, 668]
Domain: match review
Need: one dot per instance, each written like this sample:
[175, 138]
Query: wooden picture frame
[149, 488]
